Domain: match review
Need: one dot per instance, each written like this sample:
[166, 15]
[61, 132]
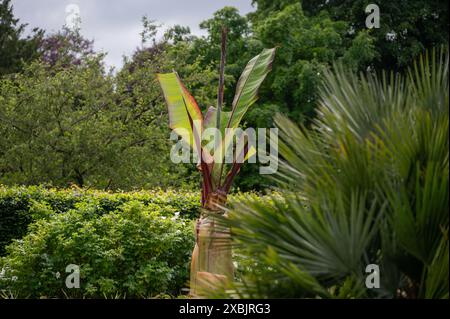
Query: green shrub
[17, 204]
[131, 252]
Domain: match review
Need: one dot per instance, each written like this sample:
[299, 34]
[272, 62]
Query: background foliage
[108, 130]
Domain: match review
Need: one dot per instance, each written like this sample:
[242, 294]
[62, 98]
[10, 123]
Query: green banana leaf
[185, 117]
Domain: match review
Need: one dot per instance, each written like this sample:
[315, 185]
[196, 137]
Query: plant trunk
[211, 263]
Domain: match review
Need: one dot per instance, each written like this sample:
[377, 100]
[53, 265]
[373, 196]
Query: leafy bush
[17, 205]
[127, 244]
[133, 251]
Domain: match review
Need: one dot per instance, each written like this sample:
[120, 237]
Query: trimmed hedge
[18, 205]
[130, 245]
[133, 252]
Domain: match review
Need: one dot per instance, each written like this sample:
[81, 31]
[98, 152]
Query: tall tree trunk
[212, 256]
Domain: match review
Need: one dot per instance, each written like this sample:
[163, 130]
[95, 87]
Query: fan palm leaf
[367, 184]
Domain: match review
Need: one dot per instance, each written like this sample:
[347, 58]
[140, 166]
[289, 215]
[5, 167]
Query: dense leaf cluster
[132, 251]
[21, 206]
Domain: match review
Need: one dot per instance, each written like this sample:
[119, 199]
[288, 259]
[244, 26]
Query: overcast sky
[115, 24]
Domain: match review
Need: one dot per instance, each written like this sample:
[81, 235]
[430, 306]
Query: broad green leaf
[246, 95]
[247, 88]
[184, 114]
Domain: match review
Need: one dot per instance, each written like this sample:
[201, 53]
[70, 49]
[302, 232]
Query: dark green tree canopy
[407, 27]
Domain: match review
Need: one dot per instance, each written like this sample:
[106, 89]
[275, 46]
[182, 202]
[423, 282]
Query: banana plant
[211, 259]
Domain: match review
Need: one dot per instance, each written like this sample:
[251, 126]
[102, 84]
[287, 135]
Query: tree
[177, 34]
[407, 28]
[211, 258]
[65, 120]
[307, 46]
[14, 48]
[65, 48]
[77, 125]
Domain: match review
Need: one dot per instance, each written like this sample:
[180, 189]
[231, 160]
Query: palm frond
[368, 183]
